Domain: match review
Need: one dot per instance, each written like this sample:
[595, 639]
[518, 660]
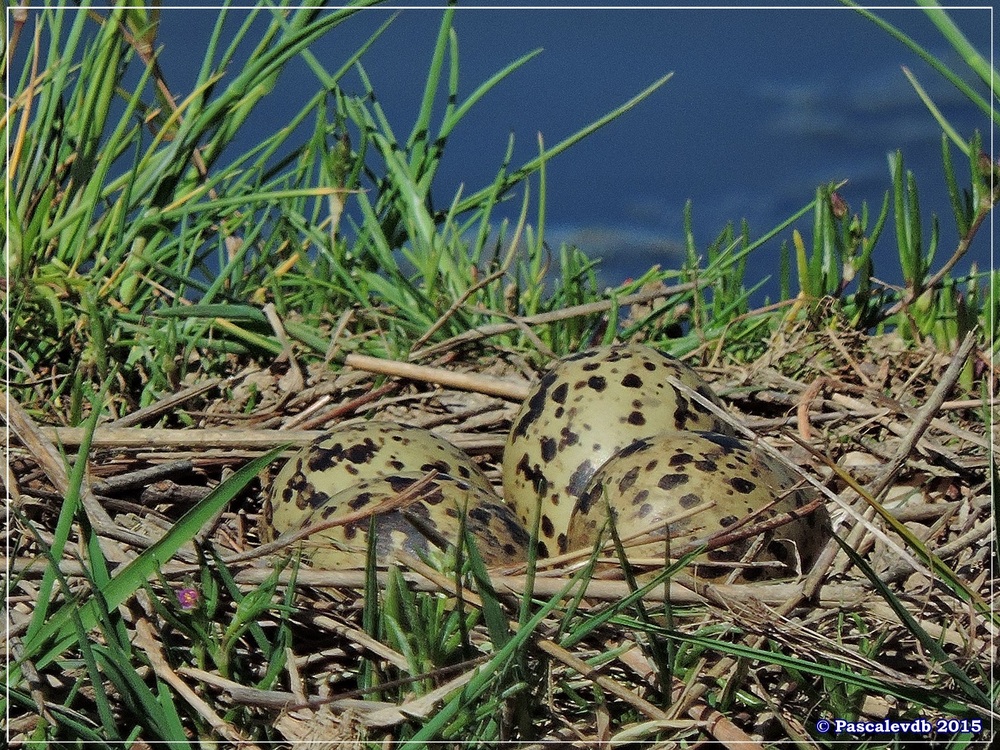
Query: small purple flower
[188, 598]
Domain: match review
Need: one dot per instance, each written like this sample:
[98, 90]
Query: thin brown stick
[150, 646]
[157, 438]
[141, 477]
[460, 380]
[350, 407]
[51, 462]
[31, 677]
[922, 419]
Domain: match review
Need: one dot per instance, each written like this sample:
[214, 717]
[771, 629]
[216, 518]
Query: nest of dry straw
[867, 418]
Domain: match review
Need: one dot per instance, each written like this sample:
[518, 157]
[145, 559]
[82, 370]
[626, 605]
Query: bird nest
[894, 623]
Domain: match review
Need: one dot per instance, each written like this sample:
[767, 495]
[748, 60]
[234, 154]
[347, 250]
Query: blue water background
[764, 105]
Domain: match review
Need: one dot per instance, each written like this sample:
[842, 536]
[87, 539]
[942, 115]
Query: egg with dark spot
[354, 467]
[604, 398]
[603, 435]
[427, 525]
[689, 505]
[339, 459]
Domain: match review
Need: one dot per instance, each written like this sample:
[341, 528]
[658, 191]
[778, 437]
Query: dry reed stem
[274, 699]
[463, 381]
[147, 641]
[746, 602]
[229, 439]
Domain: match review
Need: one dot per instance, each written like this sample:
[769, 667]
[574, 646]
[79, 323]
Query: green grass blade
[979, 64]
[454, 117]
[417, 142]
[59, 627]
[533, 165]
[64, 525]
[156, 711]
[936, 113]
[329, 82]
[930, 644]
[104, 710]
[927, 57]
[232, 312]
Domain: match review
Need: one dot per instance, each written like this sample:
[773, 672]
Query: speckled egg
[696, 485]
[426, 526]
[585, 409]
[341, 458]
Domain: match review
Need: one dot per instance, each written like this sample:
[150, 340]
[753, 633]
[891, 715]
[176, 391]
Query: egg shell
[339, 459]
[438, 509]
[581, 412]
[696, 485]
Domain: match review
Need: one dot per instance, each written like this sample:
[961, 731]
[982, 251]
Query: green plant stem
[979, 64]
[960, 251]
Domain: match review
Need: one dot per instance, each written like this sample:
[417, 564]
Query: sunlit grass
[139, 261]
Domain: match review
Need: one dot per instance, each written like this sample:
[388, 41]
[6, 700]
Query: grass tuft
[157, 278]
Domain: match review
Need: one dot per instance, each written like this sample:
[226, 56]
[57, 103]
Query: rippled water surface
[763, 106]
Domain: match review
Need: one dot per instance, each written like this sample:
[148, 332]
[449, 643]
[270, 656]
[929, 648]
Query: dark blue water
[764, 105]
